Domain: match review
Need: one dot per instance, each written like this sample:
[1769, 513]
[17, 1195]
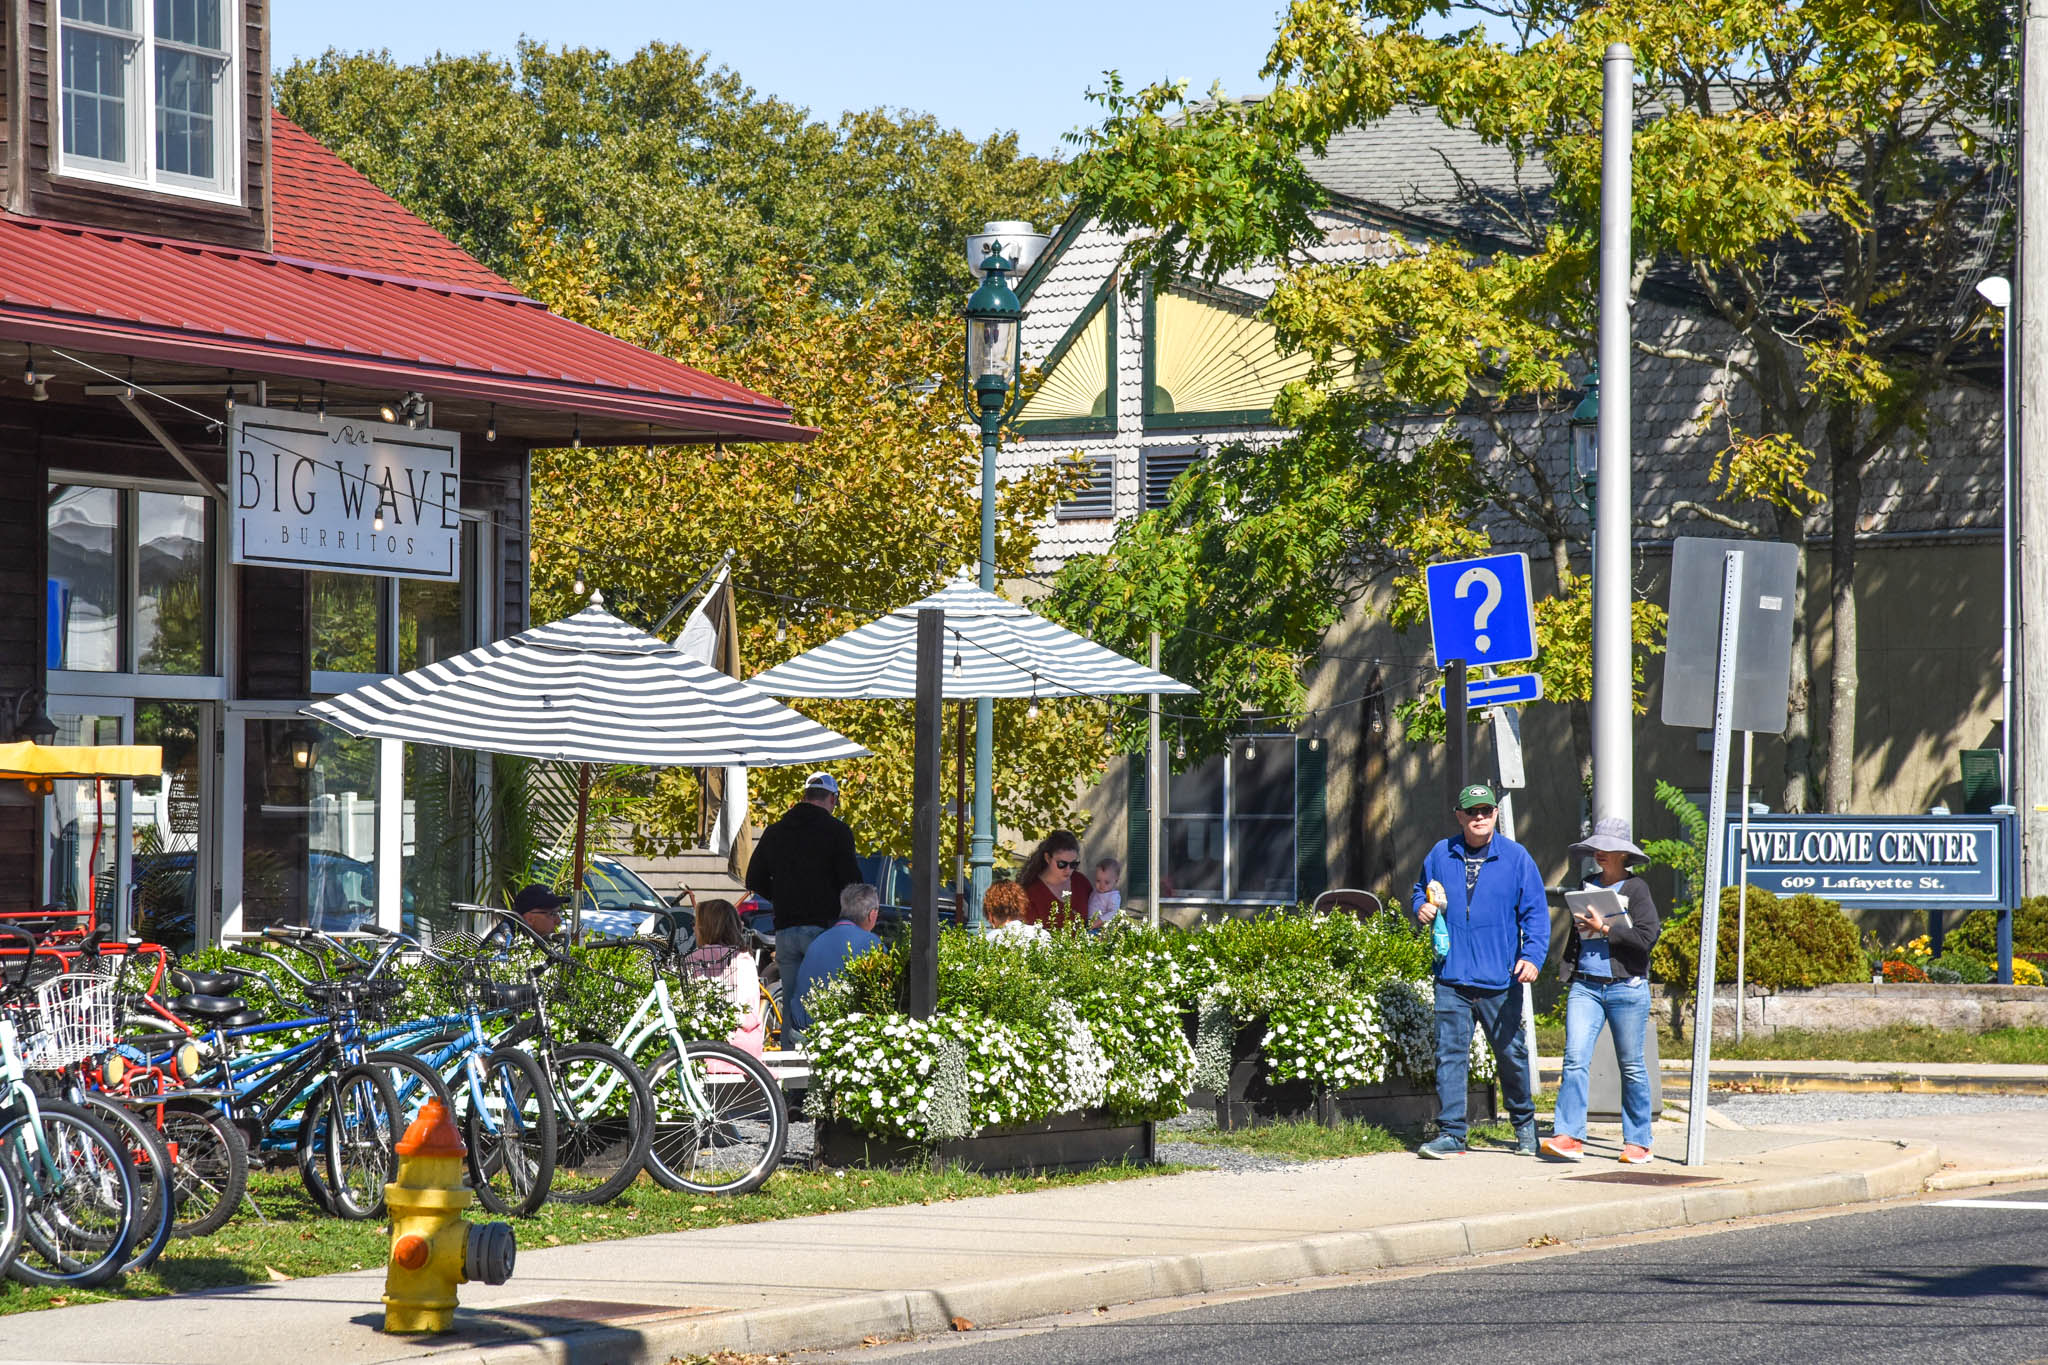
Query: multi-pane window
[148, 92]
[1229, 825]
[130, 585]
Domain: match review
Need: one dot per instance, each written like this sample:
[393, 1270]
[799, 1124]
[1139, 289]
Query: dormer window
[148, 94]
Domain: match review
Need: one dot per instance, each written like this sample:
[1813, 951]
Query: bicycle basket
[73, 1019]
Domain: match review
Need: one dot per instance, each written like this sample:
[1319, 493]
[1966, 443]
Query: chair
[1363, 904]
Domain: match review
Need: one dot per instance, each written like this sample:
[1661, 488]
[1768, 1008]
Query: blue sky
[913, 54]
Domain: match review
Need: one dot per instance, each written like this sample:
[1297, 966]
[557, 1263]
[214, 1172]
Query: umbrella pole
[961, 915]
[576, 868]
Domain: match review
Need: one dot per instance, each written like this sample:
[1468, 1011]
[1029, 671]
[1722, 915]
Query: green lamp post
[1585, 455]
[995, 320]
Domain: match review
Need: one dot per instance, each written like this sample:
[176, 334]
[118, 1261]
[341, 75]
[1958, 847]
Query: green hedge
[1793, 941]
[1977, 934]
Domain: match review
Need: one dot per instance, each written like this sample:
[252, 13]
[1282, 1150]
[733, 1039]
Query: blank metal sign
[1763, 646]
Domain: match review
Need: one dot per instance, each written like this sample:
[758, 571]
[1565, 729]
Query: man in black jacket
[800, 866]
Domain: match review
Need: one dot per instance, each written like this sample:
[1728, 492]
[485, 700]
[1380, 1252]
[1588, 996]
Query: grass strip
[1915, 1043]
[1302, 1140]
[293, 1238]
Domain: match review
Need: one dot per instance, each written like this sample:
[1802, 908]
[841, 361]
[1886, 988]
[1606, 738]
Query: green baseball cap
[1478, 794]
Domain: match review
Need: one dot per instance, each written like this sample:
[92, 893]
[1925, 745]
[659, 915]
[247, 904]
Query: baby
[1105, 902]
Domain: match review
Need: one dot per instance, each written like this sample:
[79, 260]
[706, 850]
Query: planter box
[1064, 1142]
[1252, 1098]
[1856, 1006]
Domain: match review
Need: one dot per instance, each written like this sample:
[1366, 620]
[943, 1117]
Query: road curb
[898, 1313]
[1965, 1180]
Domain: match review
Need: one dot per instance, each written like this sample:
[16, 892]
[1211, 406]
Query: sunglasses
[1479, 812]
[1064, 864]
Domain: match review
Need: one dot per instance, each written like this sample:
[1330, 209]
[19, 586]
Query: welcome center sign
[344, 496]
[1872, 862]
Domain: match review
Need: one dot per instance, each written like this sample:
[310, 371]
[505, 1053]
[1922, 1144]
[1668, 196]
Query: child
[1105, 902]
[721, 956]
[1003, 905]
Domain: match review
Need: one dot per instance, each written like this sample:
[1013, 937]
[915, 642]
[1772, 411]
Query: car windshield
[607, 884]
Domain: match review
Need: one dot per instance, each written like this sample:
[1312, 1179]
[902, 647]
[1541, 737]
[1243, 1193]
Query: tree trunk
[1845, 495]
[1797, 789]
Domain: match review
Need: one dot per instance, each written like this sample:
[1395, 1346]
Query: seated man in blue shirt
[860, 905]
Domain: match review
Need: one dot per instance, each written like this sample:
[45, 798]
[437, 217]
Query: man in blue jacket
[1482, 899]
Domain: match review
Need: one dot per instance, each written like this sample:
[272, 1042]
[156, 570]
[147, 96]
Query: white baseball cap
[822, 782]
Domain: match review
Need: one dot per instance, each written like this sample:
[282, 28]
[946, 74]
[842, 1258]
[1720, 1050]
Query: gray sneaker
[1441, 1147]
[1525, 1138]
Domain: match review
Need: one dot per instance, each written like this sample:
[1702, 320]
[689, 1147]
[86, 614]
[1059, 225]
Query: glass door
[85, 821]
[173, 878]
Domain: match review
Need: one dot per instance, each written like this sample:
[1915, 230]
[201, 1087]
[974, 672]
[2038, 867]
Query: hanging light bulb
[28, 370]
[1315, 741]
[491, 430]
[579, 587]
[959, 664]
[322, 409]
[1250, 750]
[230, 400]
[1180, 748]
[576, 435]
[377, 522]
[1031, 711]
[781, 628]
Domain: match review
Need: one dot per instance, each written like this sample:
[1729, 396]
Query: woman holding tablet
[1606, 967]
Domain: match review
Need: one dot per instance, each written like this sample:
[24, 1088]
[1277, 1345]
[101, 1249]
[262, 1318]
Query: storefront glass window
[84, 828]
[86, 535]
[348, 623]
[438, 829]
[1193, 830]
[1245, 805]
[430, 625]
[309, 836]
[164, 871]
[172, 603]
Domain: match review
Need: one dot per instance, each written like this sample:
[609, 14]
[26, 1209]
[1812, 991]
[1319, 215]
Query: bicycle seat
[243, 1020]
[209, 1007]
[205, 983]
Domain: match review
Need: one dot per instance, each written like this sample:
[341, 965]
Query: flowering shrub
[1897, 970]
[1408, 1022]
[2025, 973]
[1334, 1042]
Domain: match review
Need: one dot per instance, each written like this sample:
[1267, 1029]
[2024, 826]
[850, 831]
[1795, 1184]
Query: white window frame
[141, 170]
[1230, 818]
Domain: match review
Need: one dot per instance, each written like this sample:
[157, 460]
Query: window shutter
[1137, 858]
[1311, 827]
[1157, 469]
[1098, 499]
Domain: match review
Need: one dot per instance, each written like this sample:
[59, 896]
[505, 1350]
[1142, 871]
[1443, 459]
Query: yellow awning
[26, 758]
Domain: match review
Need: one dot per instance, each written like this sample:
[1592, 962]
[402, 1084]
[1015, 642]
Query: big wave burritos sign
[1872, 862]
[344, 496]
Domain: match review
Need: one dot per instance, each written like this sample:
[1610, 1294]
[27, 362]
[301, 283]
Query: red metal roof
[323, 209]
[390, 303]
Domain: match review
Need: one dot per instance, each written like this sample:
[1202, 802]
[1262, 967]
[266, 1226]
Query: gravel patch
[1823, 1106]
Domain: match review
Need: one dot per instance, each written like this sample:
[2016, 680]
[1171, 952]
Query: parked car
[341, 895]
[615, 900]
[891, 876]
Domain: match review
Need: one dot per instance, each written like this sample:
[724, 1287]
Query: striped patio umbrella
[994, 648]
[588, 689]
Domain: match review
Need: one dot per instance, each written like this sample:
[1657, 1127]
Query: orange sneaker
[1633, 1155]
[1563, 1148]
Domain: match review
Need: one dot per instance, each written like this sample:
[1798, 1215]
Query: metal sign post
[1742, 894]
[1710, 898]
[1457, 731]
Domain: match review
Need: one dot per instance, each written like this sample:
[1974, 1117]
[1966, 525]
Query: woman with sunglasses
[1053, 883]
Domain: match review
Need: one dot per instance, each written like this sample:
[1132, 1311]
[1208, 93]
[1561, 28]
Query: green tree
[880, 509]
[1814, 174]
[670, 164]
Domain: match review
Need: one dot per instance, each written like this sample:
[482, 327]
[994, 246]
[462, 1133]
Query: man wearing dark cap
[540, 908]
[1482, 899]
[801, 864]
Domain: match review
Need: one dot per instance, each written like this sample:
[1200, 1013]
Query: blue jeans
[1626, 1009]
[1499, 1015]
[791, 944]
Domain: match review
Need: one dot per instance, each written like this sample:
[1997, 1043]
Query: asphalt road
[1917, 1284]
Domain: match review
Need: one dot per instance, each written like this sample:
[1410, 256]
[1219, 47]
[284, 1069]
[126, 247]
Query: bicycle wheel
[720, 1121]
[604, 1123]
[79, 1197]
[209, 1166]
[414, 1082]
[360, 1134]
[151, 1161]
[13, 1214]
[509, 1122]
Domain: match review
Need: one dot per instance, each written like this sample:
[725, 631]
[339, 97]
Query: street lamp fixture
[27, 718]
[995, 318]
[1586, 431]
[304, 742]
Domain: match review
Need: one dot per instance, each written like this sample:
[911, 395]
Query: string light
[322, 409]
[28, 371]
[781, 629]
[1251, 750]
[1031, 711]
[579, 587]
[231, 393]
[377, 522]
[491, 431]
[576, 434]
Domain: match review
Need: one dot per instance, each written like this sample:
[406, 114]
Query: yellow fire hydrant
[432, 1249]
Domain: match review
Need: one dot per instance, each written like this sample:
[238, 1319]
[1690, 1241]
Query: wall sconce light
[26, 718]
[303, 742]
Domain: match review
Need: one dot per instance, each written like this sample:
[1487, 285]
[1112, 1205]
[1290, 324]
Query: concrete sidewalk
[1951, 1078]
[836, 1279]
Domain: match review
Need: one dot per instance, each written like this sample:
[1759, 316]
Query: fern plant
[1685, 856]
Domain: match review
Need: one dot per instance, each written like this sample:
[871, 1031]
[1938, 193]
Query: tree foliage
[1812, 176]
[879, 510]
[668, 163]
